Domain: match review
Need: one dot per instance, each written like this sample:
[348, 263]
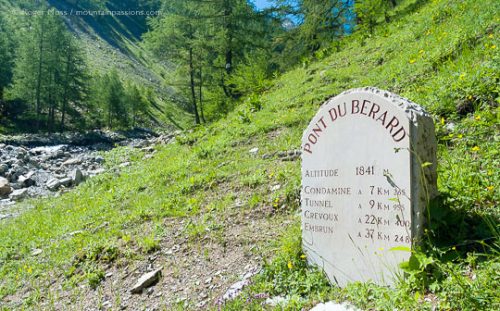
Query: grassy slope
[438, 55]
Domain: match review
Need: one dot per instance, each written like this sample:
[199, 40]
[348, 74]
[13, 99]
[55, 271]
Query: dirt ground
[195, 273]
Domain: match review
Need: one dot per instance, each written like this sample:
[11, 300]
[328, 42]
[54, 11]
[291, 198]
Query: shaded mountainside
[216, 202]
[113, 41]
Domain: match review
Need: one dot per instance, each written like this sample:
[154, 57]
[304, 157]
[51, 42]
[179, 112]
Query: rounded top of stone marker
[410, 108]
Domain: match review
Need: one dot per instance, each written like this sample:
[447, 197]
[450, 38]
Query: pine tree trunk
[65, 96]
[192, 85]
[39, 78]
[109, 116]
[201, 96]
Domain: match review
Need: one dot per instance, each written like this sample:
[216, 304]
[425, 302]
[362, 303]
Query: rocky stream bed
[44, 165]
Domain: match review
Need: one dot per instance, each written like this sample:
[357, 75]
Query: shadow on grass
[458, 232]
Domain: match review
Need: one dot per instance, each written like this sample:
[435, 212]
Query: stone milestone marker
[368, 172]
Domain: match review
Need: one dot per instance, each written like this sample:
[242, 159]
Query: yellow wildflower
[469, 97]
[303, 256]
[460, 136]
[290, 265]
[462, 76]
[451, 135]
[493, 47]
[490, 173]
[442, 120]
[454, 248]
[490, 36]
[475, 148]
[421, 52]
[478, 117]
[490, 188]
[412, 61]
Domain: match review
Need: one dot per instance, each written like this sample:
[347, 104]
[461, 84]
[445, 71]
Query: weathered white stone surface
[368, 172]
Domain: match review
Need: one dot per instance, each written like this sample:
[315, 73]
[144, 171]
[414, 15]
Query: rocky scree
[40, 171]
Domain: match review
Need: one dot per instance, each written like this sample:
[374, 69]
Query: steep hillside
[207, 210]
[113, 41]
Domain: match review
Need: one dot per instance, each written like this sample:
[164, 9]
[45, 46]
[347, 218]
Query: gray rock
[73, 161]
[17, 195]
[16, 171]
[3, 168]
[53, 184]
[236, 289]
[146, 280]
[277, 301]
[36, 252]
[66, 182]
[5, 188]
[26, 180]
[77, 177]
[276, 187]
[254, 151]
[99, 159]
[97, 171]
[332, 306]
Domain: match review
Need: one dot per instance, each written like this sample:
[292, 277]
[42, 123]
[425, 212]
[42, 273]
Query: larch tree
[50, 70]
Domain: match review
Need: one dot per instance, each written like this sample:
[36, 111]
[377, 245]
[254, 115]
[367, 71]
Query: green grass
[440, 55]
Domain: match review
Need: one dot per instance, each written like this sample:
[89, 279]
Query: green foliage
[50, 71]
[117, 104]
[369, 12]
[149, 244]
[288, 273]
[323, 22]
[6, 57]
[65, 98]
[217, 46]
[252, 76]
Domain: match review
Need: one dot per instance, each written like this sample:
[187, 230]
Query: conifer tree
[6, 56]
[113, 99]
[49, 71]
[173, 39]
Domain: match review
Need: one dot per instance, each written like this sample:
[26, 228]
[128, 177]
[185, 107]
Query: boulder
[99, 159]
[5, 188]
[53, 184]
[66, 182]
[72, 161]
[4, 168]
[17, 195]
[77, 176]
[26, 180]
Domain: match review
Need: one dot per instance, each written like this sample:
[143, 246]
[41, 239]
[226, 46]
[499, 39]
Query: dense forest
[222, 52]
